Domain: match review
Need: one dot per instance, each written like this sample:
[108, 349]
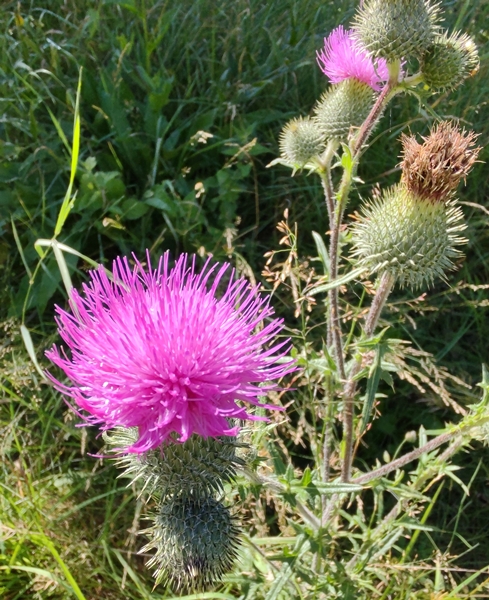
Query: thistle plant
[159, 359]
[169, 361]
[409, 234]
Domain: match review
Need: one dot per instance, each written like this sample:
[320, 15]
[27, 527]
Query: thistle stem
[407, 458]
[334, 317]
[390, 89]
[385, 286]
[329, 199]
[325, 174]
[349, 391]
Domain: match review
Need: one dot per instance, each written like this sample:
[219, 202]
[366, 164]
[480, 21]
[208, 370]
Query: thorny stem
[407, 458]
[334, 317]
[349, 391]
[325, 174]
[385, 286]
[457, 434]
[388, 91]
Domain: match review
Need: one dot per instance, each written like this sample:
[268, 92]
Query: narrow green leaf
[60, 131]
[337, 282]
[20, 249]
[322, 251]
[63, 267]
[333, 488]
[26, 337]
[34, 571]
[68, 201]
[424, 518]
[374, 377]
[287, 570]
[463, 584]
[46, 542]
[127, 568]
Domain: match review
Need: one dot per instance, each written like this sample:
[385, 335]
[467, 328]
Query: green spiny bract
[449, 60]
[414, 239]
[396, 29]
[343, 106]
[199, 466]
[195, 542]
[300, 142]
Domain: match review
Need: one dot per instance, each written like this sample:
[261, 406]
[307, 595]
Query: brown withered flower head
[433, 170]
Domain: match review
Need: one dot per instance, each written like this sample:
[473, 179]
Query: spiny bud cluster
[342, 107]
[360, 61]
[396, 29]
[195, 540]
[411, 231]
[194, 536]
[411, 238]
[449, 60]
[300, 141]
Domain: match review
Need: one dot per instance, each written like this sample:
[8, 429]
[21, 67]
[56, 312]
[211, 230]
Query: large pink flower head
[160, 350]
[343, 57]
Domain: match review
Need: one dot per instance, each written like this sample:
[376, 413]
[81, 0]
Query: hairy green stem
[349, 391]
[388, 91]
[407, 458]
[456, 435]
[325, 174]
[385, 286]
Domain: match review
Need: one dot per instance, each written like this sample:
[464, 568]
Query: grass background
[155, 76]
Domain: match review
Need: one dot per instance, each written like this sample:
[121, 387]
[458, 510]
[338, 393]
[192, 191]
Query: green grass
[155, 75]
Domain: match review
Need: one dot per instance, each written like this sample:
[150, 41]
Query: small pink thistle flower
[159, 350]
[343, 57]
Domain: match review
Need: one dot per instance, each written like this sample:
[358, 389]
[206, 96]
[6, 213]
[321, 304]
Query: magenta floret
[342, 57]
[163, 351]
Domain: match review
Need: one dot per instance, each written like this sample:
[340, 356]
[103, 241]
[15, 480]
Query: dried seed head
[449, 60]
[300, 142]
[396, 29]
[433, 170]
[412, 238]
[342, 107]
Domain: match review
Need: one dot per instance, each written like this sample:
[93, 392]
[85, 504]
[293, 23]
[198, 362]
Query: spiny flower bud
[449, 60]
[433, 170]
[396, 29]
[412, 238]
[342, 107]
[196, 542]
[300, 141]
[198, 467]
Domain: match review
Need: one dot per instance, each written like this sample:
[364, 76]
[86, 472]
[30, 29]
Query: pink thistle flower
[343, 57]
[161, 351]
